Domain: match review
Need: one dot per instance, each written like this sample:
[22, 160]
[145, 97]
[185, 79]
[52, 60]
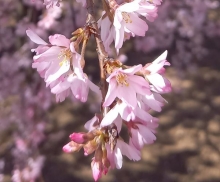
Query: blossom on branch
[59, 64]
[124, 84]
[154, 73]
[126, 22]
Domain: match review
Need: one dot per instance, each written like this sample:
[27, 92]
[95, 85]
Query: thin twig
[102, 54]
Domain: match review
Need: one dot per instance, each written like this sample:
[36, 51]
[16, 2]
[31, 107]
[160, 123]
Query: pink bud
[96, 170]
[71, 147]
[79, 138]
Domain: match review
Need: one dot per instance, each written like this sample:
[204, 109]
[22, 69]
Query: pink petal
[129, 151]
[132, 70]
[127, 95]
[111, 94]
[126, 112]
[138, 26]
[161, 57]
[55, 71]
[49, 55]
[94, 88]
[143, 115]
[60, 87]
[129, 7]
[147, 135]
[119, 38]
[59, 40]
[118, 157]
[35, 38]
[109, 118]
[90, 124]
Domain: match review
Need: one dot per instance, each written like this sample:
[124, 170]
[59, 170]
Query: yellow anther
[126, 17]
[122, 79]
[65, 55]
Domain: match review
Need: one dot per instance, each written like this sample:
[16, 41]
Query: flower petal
[35, 38]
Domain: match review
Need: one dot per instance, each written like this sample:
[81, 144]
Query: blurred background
[33, 128]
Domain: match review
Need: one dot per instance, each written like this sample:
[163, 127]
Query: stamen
[122, 79]
[126, 17]
[65, 55]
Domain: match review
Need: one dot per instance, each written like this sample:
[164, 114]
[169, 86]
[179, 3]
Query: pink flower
[142, 133]
[96, 169]
[49, 20]
[125, 85]
[154, 73]
[154, 101]
[53, 60]
[127, 21]
[127, 113]
[107, 31]
[122, 148]
[78, 86]
[148, 10]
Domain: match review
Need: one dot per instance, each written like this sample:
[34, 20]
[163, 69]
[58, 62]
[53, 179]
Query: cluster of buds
[128, 92]
[105, 143]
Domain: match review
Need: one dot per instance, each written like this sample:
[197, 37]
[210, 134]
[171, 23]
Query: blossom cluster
[120, 22]
[132, 91]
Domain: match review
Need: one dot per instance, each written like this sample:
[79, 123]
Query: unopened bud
[72, 147]
[81, 138]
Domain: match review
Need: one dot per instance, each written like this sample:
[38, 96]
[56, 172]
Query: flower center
[126, 17]
[122, 79]
[65, 55]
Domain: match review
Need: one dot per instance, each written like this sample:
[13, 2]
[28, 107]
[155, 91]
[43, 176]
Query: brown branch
[82, 61]
[102, 54]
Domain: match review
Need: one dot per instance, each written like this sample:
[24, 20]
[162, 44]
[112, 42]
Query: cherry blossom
[125, 85]
[154, 73]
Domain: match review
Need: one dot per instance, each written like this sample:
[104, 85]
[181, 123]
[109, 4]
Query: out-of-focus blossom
[49, 18]
[51, 3]
[82, 1]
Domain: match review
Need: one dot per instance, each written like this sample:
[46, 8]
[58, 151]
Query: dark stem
[102, 54]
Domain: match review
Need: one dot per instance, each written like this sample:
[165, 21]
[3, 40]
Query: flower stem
[102, 54]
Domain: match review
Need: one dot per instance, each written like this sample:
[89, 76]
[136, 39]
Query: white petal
[118, 158]
[63, 69]
[35, 38]
[110, 117]
[161, 57]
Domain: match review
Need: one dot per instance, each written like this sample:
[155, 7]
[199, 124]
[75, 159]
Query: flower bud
[81, 138]
[72, 147]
